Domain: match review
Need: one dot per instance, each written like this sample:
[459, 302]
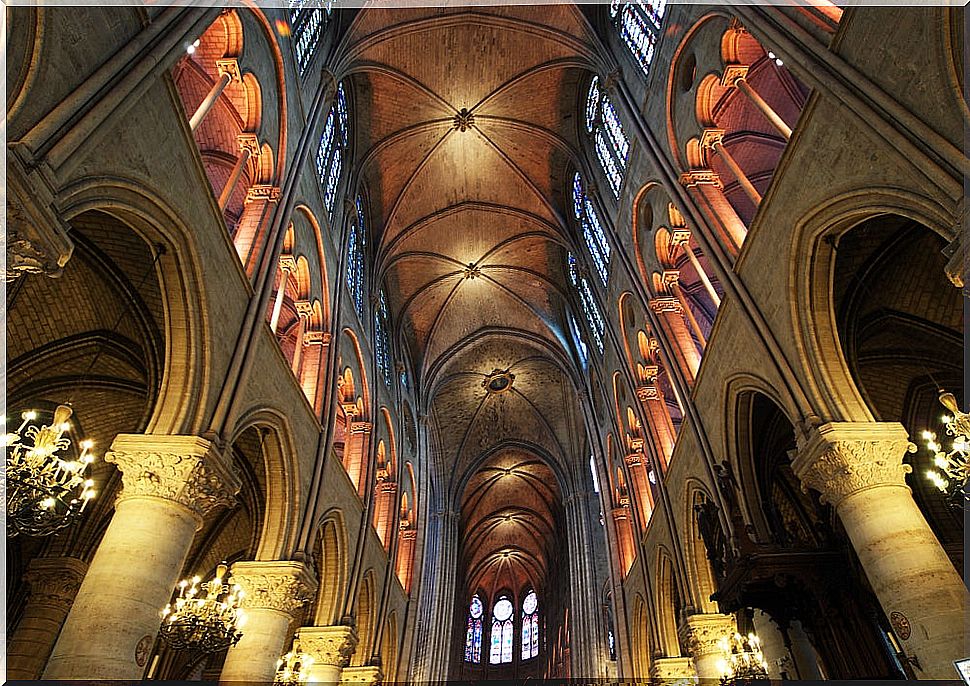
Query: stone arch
[700, 575]
[365, 615]
[330, 560]
[666, 605]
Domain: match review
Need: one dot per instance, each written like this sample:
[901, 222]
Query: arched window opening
[502, 631]
[578, 338]
[381, 342]
[638, 24]
[530, 626]
[594, 318]
[473, 636]
[356, 248]
[609, 140]
[333, 143]
[307, 20]
[592, 229]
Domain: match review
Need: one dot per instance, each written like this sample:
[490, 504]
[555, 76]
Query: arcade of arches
[493, 342]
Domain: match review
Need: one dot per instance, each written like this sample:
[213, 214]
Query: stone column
[54, 581]
[673, 671]
[681, 236]
[736, 75]
[170, 484]
[671, 313]
[858, 468]
[704, 633]
[228, 72]
[330, 647]
[248, 147]
[274, 594]
[287, 267]
[707, 191]
[713, 139]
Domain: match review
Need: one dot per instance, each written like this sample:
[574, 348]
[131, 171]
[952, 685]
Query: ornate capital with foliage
[55, 580]
[705, 631]
[283, 585]
[842, 459]
[369, 674]
[187, 470]
[329, 645]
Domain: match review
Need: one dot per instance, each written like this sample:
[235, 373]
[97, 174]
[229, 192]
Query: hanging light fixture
[294, 667]
[953, 466]
[743, 660]
[46, 489]
[206, 622]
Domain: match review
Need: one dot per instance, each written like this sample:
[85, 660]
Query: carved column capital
[303, 308]
[733, 72]
[680, 236]
[705, 631]
[250, 142]
[711, 137]
[672, 670]
[361, 427]
[55, 580]
[288, 264]
[842, 459]
[369, 674]
[283, 586]
[186, 470]
[262, 192]
[665, 303]
[229, 67]
[329, 645]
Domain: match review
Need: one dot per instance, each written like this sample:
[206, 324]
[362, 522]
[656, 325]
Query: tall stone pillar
[858, 468]
[170, 484]
[274, 594]
[53, 581]
[673, 671]
[331, 648]
[704, 634]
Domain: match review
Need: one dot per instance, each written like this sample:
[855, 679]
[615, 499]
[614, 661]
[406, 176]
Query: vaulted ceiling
[466, 139]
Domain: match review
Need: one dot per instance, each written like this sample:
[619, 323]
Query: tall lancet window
[503, 634]
[591, 311]
[530, 626]
[356, 249]
[592, 228]
[307, 19]
[473, 636]
[639, 26]
[333, 144]
[381, 342]
[609, 140]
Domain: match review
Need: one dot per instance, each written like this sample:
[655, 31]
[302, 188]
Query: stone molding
[250, 142]
[705, 631]
[187, 470]
[361, 427]
[329, 645]
[261, 192]
[733, 72]
[841, 459]
[55, 580]
[665, 303]
[700, 177]
[283, 586]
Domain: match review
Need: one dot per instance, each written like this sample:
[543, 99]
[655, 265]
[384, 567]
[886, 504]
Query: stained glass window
[333, 143]
[473, 635]
[307, 19]
[639, 26]
[502, 631]
[594, 318]
[381, 342]
[592, 229]
[530, 626]
[356, 250]
[609, 140]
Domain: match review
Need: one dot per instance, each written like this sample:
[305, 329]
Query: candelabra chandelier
[206, 622]
[294, 667]
[743, 660]
[45, 491]
[952, 467]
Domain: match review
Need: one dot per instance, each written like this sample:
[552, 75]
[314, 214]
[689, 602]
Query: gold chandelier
[208, 623]
[953, 466]
[294, 667]
[45, 491]
[743, 660]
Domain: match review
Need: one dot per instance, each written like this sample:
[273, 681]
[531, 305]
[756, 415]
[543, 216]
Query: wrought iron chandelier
[294, 667]
[206, 622]
[46, 489]
[743, 660]
[953, 466]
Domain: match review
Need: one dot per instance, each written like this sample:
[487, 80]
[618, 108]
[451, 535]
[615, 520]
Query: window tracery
[592, 229]
[333, 143]
[356, 250]
[609, 139]
[638, 24]
[381, 342]
[530, 626]
[502, 635]
[594, 318]
[473, 635]
[307, 20]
